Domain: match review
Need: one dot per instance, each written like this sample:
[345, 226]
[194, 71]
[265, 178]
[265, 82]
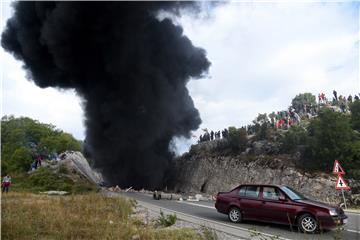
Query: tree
[59, 143]
[355, 115]
[352, 159]
[296, 136]
[329, 137]
[22, 159]
[21, 137]
[301, 100]
[237, 138]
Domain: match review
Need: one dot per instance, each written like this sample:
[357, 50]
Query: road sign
[337, 169]
[341, 184]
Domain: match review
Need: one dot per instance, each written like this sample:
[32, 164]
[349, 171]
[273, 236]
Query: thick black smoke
[130, 68]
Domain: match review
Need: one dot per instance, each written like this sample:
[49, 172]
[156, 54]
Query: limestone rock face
[207, 171]
[76, 161]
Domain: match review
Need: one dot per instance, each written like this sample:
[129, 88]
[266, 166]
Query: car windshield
[293, 195]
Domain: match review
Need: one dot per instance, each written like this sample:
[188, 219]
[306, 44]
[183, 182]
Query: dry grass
[90, 216]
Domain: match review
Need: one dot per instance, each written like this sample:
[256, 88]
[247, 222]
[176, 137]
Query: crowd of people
[285, 119]
[37, 160]
[213, 135]
[342, 101]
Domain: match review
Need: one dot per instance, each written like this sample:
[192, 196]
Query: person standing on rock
[335, 95]
[6, 182]
[39, 159]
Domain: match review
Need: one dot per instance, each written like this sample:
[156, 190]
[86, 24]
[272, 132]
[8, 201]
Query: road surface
[204, 213]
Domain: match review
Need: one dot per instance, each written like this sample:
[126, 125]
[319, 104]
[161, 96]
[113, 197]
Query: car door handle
[263, 202]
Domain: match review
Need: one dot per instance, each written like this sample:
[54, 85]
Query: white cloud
[262, 55]
[22, 97]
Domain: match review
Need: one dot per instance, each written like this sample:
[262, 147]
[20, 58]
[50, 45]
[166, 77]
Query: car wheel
[235, 215]
[307, 223]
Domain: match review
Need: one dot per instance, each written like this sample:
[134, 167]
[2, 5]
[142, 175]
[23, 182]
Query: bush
[208, 233]
[296, 136]
[166, 220]
[44, 180]
[301, 100]
[237, 138]
[22, 159]
[263, 132]
[63, 169]
[355, 115]
[329, 137]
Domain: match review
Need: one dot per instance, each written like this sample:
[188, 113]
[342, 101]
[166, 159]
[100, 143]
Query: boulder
[76, 161]
[61, 193]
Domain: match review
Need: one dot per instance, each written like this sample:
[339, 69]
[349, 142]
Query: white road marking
[352, 213]
[350, 230]
[195, 204]
[212, 221]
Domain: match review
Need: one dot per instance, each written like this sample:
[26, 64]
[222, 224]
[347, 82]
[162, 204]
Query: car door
[249, 201]
[272, 208]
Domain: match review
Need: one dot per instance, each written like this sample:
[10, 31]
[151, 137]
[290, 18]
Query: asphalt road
[206, 212]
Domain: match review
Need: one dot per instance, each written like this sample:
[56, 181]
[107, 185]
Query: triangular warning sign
[337, 169]
[340, 183]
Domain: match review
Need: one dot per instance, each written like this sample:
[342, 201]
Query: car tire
[235, 215]
[308, 223]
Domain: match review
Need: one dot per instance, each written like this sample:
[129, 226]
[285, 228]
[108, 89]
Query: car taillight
[214, 197]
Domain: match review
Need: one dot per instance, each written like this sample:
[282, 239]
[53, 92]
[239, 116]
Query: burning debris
[158, 195]
[129, 67]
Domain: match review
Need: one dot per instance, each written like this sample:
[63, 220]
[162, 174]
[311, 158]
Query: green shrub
[296, 136]
[63, 169]
[263, 131]
[208, 233]
[355, 115]
[237, 138]
[330, 135]
[301, 100]
[166, 220]
[22, 159]
[44, 180]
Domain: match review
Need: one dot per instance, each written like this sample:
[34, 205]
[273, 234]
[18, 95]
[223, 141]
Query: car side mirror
[282, 198]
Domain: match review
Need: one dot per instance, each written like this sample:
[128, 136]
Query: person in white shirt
[6, 182]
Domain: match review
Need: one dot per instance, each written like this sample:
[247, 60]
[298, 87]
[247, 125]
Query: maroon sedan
[278, 204]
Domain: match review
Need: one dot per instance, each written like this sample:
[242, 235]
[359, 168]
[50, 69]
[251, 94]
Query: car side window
[252, 191]
[270, 193]
[242, 191]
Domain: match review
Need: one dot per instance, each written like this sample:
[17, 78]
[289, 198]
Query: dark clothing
[5, 187]
[335, 95]
[5, 184]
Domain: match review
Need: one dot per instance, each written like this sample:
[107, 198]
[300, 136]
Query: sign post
[340, 182]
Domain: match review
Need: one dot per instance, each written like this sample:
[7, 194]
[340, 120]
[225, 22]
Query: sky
[263, 54]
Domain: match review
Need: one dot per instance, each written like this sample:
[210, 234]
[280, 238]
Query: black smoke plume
[130, 68]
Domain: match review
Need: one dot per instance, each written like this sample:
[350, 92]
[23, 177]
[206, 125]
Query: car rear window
[249, 191]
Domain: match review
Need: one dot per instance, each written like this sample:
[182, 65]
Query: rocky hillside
[208, 169]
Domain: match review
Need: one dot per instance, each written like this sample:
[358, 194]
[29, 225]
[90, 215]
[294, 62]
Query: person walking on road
[6, 182]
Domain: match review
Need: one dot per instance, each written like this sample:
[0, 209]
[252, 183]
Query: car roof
[262, 185]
